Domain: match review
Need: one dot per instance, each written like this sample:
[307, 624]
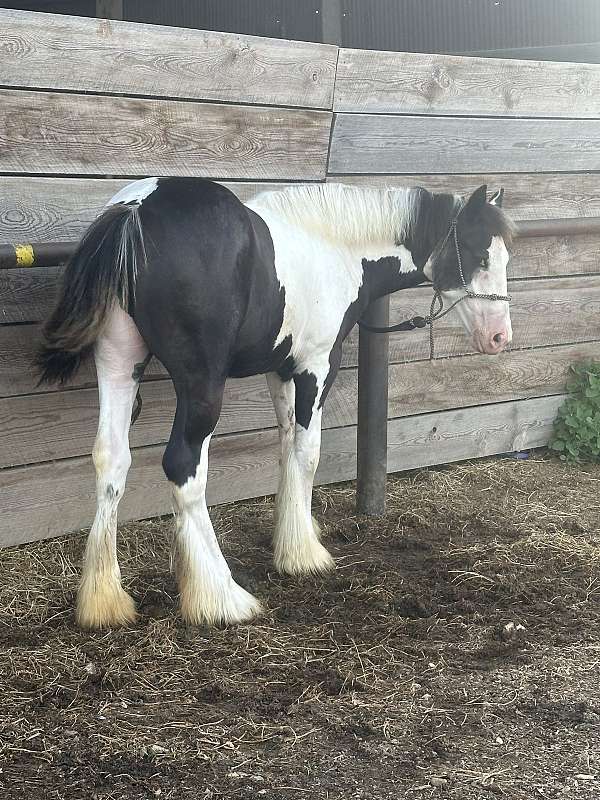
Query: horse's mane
[342, 213]
[360, 215]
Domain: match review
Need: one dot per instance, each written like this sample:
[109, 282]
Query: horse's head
[478, 244]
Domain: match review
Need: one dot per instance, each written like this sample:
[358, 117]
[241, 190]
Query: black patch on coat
[140, 368]
[287, 369]
[306, 394]
[434, 212]
[380, 277]
[478, 222]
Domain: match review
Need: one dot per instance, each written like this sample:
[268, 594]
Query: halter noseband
[421, 322]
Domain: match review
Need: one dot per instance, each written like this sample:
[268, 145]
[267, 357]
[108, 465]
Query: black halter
[421, 322]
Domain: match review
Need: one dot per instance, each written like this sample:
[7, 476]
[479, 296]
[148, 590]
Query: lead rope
[420, 322]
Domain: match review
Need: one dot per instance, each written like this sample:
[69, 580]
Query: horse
[181, 269]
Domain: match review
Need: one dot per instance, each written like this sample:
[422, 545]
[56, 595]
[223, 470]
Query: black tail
[101, 272]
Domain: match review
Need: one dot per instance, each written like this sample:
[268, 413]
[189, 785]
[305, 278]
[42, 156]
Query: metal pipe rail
[54, 254]
[47, 254]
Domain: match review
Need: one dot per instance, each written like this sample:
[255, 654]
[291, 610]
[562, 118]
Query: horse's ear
[498, 198]
[477, 200]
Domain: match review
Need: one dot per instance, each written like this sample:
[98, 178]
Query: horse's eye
[484, 261]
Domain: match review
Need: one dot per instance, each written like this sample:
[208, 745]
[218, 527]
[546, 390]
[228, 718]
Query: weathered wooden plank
[91, 55]
[18, 347]
[377, 143]
[60, 209]
[450, 383]
[27, 295]
[448, 436]
[527, 196]
[544, 312]
[46, 132]
[49, 499]
[44, 500]
[46, 427]
[417, 83]
[542, 257]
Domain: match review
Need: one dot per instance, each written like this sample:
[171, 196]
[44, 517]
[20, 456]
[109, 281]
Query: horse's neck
[432, 220]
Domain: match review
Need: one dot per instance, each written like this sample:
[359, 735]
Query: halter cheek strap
[421, 322]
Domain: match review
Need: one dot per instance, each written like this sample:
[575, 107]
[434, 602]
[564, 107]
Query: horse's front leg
[298, 550]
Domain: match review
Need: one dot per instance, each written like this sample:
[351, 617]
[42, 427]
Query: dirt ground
[404, 674]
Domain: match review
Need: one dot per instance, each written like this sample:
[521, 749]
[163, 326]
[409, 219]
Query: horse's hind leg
[298, 550]
[119, 352]
[208, 593]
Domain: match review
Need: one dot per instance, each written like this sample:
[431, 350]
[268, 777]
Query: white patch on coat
[134, 192]
[374, 252]
[208, 593]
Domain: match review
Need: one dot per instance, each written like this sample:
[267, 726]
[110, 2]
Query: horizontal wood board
[48, 132]
[58, 209]
[50, 499]
[44, 427]
[36, 209]
[551, 195]
[379, 143]
[417, 83]
[55, 51]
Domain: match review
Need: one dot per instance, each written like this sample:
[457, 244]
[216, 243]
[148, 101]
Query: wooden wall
[87, 104]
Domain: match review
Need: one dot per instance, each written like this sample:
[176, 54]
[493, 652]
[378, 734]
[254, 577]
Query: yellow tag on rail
[24, 255]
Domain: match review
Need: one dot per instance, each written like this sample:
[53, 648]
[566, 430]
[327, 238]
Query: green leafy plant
[576, 435]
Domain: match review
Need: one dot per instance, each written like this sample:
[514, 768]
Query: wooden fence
[87, 104]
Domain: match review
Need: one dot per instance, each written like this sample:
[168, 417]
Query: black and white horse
[181, 269]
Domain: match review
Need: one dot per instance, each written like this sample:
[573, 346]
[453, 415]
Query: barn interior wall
[71, 116]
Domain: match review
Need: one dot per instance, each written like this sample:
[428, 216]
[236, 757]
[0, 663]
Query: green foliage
[576, 435]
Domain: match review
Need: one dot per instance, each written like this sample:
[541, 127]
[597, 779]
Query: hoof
[104, 604]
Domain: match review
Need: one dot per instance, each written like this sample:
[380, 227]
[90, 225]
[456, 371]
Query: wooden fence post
[371, 435]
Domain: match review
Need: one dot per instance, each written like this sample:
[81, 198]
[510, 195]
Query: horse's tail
[101, 273]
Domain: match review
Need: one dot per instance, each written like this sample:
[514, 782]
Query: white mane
[345, 214]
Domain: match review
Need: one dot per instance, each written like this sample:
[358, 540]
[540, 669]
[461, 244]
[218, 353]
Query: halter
[421, 322]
